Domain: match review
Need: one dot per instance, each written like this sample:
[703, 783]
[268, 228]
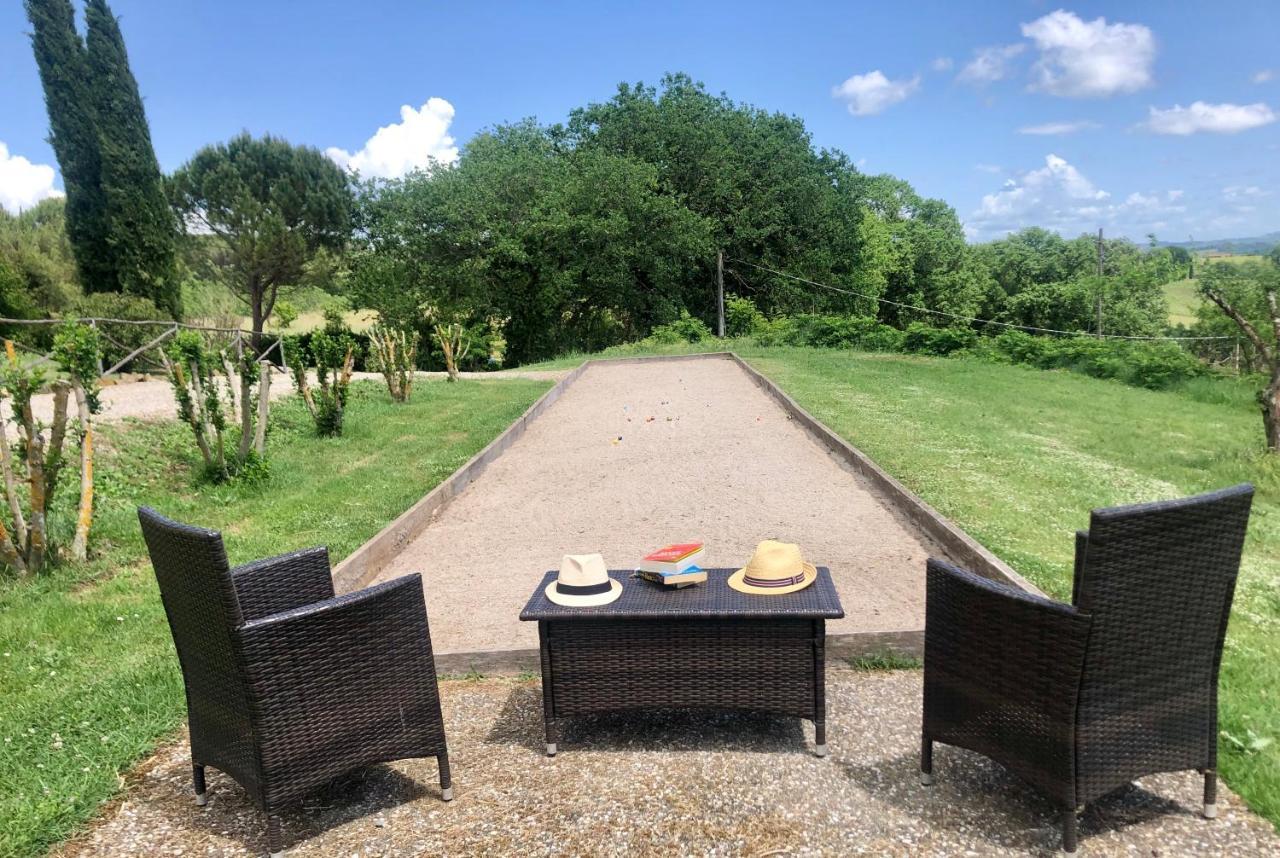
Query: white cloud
[1236, 193]
[23, 184]
[1090, 59]
[1058, 196]
[989, 64]
[1040, 193]
[1263, 75]
[419, 138]
[867, 94]
[1052, 128]
[1201, 116]
[942, 64]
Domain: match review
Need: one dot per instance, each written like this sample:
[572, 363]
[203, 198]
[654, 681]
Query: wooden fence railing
[128, 353]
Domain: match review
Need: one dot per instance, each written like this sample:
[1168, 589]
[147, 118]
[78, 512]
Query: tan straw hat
[775, 568]
[583, 581]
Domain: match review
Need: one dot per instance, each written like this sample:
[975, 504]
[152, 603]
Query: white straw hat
[776, 568]
[583, 581]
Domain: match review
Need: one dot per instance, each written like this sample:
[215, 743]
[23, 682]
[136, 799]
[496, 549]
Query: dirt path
[153, 399]
[637, 455]
[674, 784]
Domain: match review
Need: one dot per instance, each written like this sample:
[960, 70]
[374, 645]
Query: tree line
[544, 237]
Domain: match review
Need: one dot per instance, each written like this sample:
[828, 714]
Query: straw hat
[776, 568]
[583, 581]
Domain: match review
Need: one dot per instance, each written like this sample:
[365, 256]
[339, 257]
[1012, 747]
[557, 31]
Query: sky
[1136, 117]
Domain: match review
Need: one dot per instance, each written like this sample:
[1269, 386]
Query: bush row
[1154, 365]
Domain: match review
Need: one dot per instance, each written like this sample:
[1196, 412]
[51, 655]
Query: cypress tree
[141, 224]
[60, 55]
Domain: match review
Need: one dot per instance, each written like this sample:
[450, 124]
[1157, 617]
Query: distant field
[1183, 300]
[1182, 295]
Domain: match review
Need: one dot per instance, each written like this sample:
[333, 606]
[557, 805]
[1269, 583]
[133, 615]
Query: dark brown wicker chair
[1080, 700]
[287, 685]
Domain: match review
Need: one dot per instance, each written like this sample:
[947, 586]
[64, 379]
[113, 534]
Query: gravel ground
[675, 784]
[153, 399]
[634, 456]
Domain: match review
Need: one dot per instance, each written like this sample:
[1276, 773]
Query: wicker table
[706, 647]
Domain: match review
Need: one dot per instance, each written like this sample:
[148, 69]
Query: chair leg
[275, 836]
[446, 783]
[1210, 794]
[197, 779]
[926, 761]
[1069, 836]
[820, 738]
[552, 737]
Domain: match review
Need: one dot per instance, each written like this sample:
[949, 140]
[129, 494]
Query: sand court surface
[637, 455]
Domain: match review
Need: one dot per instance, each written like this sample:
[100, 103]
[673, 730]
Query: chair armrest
[283, 583]
[1002, 674]
[355, 652]
[342, 683]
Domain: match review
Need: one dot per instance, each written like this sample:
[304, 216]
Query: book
[671, 558]
[691, 575]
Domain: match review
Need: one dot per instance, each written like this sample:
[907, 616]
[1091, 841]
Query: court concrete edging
[366, 561]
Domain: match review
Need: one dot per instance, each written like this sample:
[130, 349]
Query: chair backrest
[200, 601]
[1158, 579]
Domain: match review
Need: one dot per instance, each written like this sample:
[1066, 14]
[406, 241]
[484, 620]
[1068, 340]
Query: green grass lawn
[88, 678]
[1018, 457]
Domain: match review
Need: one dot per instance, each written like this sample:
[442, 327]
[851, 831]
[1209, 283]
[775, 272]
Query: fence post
[93, 323]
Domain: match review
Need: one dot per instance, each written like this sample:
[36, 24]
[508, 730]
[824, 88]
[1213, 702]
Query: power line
[958, 317]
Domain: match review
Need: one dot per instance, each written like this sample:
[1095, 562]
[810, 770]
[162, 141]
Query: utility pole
[720, 293]
[1101, 259]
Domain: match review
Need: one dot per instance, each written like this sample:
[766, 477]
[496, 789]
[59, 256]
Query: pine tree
[142, 227]
[60, 55]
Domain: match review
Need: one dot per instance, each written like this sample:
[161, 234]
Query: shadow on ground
[520, 723]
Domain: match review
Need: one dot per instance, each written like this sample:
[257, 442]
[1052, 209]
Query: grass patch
[886, 660]
[1018, 457]
[88, 679]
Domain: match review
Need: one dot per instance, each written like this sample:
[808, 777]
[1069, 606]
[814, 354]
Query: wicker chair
[1080, 700]
[287, 685]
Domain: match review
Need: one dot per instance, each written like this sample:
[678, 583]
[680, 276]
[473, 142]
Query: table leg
[548, 703]
[820, 687]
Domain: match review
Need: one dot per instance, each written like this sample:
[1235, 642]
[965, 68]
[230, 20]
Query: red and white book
[671, 559]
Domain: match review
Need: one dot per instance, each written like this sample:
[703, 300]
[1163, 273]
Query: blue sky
[1160, 117]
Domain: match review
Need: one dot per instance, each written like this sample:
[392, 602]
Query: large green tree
[120, 228]
[271, 206]
[565, 248]
[60, 56]
[142, 230]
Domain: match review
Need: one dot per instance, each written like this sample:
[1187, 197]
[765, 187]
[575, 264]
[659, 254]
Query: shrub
[923, 339]
[741, 317]
[200, 379]
[332, 352]
[286, 314]
[1155, 365]
[686, 329]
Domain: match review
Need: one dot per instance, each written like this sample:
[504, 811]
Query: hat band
[773, 582]
[585, 589]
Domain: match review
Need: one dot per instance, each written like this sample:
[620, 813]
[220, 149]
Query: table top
[641, 599]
